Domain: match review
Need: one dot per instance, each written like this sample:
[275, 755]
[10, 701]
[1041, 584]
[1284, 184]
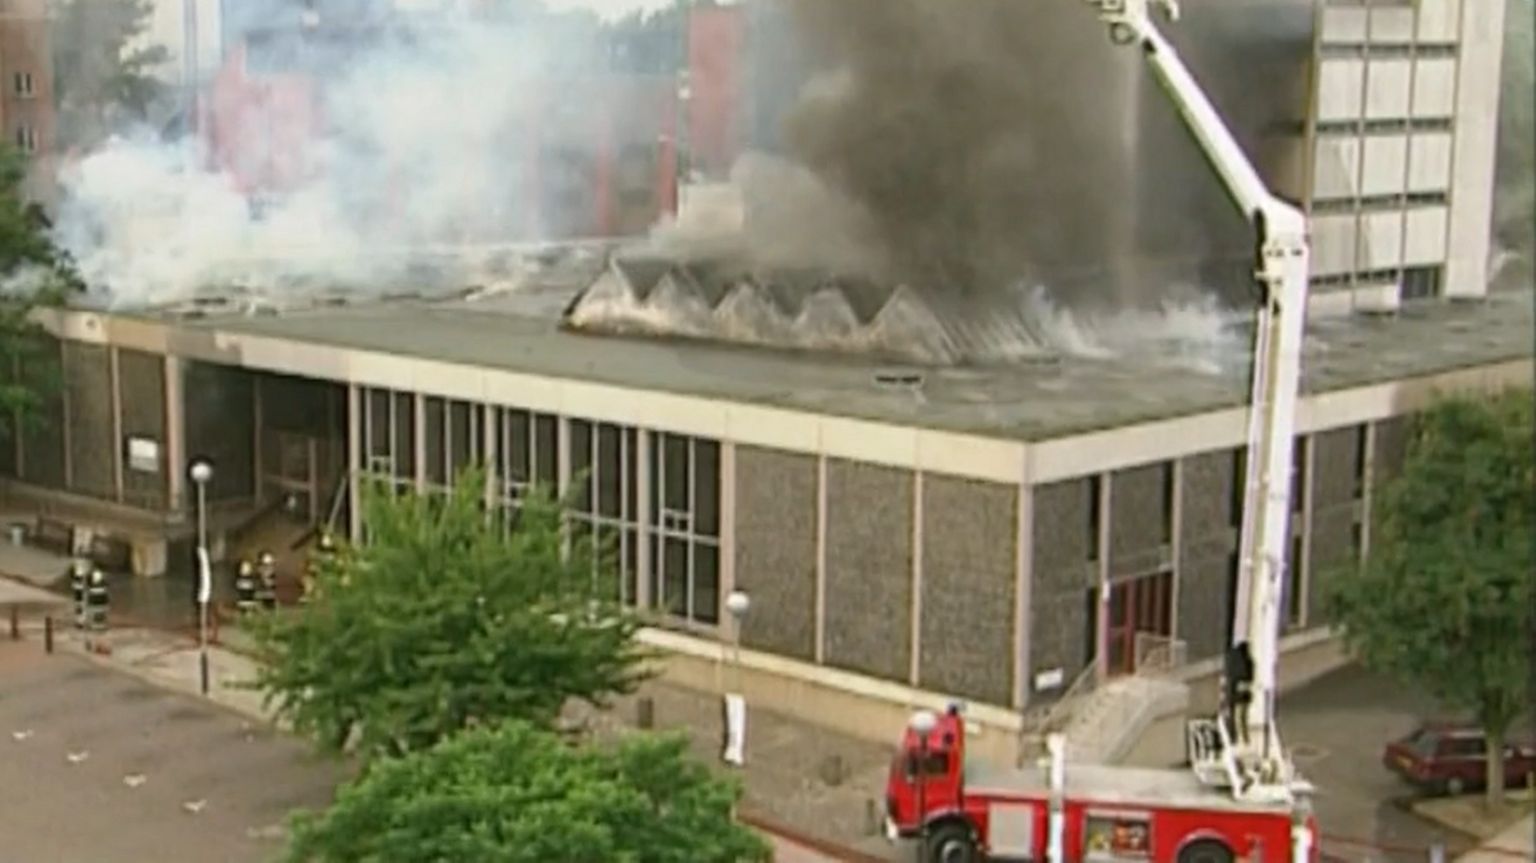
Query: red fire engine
[1240, 799]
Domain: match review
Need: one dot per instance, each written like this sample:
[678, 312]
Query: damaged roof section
[805, 310]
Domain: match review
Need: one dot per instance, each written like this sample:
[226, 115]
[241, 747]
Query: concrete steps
[1106, 723]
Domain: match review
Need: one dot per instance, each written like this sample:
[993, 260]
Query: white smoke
[1193, 332]
[425, 143]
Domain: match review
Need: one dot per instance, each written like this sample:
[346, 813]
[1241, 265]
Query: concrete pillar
[175, 436]
[1474, 147]
[354, 460]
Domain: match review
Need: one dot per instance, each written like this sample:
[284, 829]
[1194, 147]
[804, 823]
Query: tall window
[605, 500]
[26, 138]
[22, 81]
[1095, 498]
[389, 437]
[685, 527]
[527, 448]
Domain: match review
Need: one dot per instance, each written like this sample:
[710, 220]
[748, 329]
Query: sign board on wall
[143, 455]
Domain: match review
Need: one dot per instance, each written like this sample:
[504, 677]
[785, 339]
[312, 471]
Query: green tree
[512, 793]
[1444, 601]
[33, 272]
[103, 68]
[440, 621]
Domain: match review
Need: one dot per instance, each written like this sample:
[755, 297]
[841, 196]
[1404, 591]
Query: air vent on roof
[899, 380]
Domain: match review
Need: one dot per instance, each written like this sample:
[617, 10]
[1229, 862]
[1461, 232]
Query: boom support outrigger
[1242, 748]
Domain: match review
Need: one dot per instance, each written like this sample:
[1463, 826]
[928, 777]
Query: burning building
[916, 513]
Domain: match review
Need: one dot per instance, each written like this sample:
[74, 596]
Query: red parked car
[1450, 758]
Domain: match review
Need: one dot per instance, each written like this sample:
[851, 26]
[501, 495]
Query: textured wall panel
[969, 585]
[1391, 447]
[141, 379]
[1060, 576]
[88, 386]
[1333, 551]
[1336, 466]
[1207, 541]
[43, 433]
[869, 568]
[776, 549]
[1139, 513]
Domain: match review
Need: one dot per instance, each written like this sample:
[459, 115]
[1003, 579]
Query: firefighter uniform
[96, 601]
[245, 587]
[324, 551]
[266, 585]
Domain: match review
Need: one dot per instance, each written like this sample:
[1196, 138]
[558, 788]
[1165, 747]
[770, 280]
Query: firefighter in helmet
[325, 551]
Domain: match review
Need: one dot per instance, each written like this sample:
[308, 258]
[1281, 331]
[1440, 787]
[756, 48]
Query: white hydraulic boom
[1246, 752]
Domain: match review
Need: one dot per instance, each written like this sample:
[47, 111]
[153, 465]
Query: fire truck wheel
[1206, 851]
[952, 843]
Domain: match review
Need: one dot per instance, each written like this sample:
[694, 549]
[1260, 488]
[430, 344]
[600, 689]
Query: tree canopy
[441, 621]
[1444, 600]
[103, 68]
[32, 272]
[512, 793]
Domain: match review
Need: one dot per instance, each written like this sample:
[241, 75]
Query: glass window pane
[606, 549]
[435, 449]
[706, 583]
[377, 429]
[674, 577]
[675, 469]
[630, 555]
[706, 503]
[545, 451]
[631, 474]
[607, 478]
[516, 441]
[405, 436]
[581, 463]
[460, 436]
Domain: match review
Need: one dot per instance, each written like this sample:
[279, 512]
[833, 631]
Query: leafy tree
[512, 793]
[1444, 601]
[103, 68]
[440, 621]
[33, 272]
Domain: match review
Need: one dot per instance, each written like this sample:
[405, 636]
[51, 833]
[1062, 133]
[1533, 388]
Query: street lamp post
[736, 604]
[923, 723]
[201, 473]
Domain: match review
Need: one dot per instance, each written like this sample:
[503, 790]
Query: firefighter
[266, 585]
[97, 600]
[325, 550]
[1239, 686]
[79, 578]
[245, 587]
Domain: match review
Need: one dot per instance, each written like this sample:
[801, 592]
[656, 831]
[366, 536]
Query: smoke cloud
[422, 139]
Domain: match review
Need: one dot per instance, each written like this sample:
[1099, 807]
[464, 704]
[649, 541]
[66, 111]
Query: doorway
[1137, 605]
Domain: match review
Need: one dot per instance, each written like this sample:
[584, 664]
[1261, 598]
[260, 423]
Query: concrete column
[1303, 577]
[727, 524]
[489, 446]
[421, 442]
[1176, 544]
[1474, 146]
[821, 559]
[114, 375]
[915, 612]
[175, 435]
[1023, 555]
[354, 461]
[1101, 608]
[643, 443]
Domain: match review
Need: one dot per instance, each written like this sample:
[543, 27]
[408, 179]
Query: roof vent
[899, 379]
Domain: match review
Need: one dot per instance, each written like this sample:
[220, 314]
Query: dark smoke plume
[930, 116]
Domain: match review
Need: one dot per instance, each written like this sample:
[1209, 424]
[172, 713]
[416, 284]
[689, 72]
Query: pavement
[1516, 842]
[101, 767]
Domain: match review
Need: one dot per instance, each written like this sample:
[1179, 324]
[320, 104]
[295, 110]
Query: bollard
[47, 633]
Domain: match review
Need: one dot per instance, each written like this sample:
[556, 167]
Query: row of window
[650, 501]
[1415, 283]
[1380, 202]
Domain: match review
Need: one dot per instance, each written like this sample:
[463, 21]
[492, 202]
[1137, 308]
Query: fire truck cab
[965, 812]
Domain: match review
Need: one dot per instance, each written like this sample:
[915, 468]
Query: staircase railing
[1054, 717]
[1159, 655]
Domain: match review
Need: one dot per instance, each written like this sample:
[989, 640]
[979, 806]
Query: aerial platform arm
[1248, 750]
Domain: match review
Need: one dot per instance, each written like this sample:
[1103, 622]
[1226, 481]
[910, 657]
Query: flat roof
[1031, 400]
